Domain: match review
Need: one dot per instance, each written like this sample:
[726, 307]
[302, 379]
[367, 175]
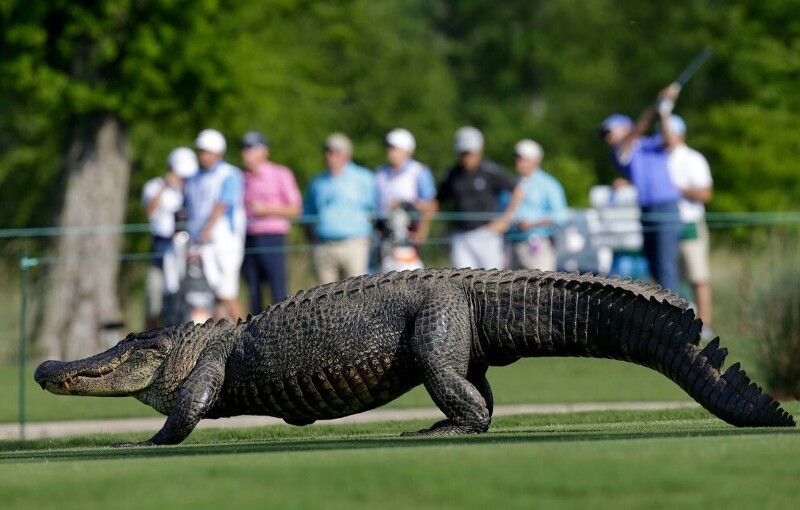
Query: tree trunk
[81, 299]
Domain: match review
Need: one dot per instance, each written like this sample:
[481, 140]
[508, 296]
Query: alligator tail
[730, 395]
[655, 332]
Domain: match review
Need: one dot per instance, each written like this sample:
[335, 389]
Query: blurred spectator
[691, 174]
[543, 208]
[343, 199]
[216, 219]
[271, 197]
[404, 186]
[162, 198]
[620, 217]
[643, 161]
[473, 187]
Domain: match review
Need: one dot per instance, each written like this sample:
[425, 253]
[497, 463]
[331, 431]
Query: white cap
[529, 149]
[211, 140]
[339, 142]
[401, 139]
[468, 139]
[183, 161]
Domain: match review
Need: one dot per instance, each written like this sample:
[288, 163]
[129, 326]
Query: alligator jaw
[123, 370]
[58, 377]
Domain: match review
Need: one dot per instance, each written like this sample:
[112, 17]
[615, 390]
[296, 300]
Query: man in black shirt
[473, 187]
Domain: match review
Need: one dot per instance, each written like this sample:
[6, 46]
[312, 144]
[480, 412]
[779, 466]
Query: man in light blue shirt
[342, 201]
[542, 209]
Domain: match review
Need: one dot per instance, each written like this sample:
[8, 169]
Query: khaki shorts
[694, 256]
[336, 260]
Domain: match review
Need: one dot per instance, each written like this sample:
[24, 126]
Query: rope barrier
[714, 220]
[719, 219]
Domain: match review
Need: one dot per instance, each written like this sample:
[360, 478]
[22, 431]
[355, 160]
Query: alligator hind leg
[441, 347]
[477, 376]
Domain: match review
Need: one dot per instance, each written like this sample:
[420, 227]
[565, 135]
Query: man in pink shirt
[271, 198]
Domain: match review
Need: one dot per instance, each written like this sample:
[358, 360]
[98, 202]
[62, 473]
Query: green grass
[666, 459]
[542, 380]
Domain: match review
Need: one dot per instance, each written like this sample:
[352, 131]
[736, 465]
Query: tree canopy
[298, 70]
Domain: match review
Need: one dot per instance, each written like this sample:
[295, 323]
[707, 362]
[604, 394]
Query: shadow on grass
[15, 450]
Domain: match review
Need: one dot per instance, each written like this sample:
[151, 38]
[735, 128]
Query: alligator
[353, 345]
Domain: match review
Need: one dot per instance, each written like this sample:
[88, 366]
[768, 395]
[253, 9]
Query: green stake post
[24, 264]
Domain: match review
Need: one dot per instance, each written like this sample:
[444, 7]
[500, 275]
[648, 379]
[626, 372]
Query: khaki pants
[337, 260]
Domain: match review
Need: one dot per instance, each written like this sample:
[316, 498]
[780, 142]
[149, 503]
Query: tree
[78, 74]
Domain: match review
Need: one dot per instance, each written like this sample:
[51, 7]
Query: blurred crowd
[360, 220]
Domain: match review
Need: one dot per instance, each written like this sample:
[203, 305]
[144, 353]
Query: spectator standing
[543, 208]
[643, 161]
[271, 198]
[162, 198]
[405, 184]
[691, 174]
[216, 219]
[473, 187]
[343, 199]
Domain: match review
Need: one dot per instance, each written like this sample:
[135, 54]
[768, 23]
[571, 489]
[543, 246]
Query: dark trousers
[661, 228]
[264, 260]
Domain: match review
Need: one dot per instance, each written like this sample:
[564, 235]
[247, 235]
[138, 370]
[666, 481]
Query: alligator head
[128, 368]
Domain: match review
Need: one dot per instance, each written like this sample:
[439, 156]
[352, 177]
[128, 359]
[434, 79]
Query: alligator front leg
[441, 346]
[195, 397]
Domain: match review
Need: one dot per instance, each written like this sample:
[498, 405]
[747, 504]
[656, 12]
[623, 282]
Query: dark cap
[254, 139]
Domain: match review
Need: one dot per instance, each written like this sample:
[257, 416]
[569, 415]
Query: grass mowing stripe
[579, 426]
[738, 471]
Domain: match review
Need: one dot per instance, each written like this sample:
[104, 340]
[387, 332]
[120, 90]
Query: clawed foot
[126, 444]
[444, 428]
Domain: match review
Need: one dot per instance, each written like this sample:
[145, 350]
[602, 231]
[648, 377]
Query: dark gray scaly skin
[354, 345]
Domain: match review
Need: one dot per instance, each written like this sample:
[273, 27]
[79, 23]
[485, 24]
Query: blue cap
[677, 125]
[616, 119]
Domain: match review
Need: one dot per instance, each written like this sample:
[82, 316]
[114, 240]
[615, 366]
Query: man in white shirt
[216, 219]
[690, 173]
[404, 185]
[162, 198]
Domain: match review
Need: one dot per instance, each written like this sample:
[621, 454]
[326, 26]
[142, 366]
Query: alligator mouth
[71, 381]
[67, 378]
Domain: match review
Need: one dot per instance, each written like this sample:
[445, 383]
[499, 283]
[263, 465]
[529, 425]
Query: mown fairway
[666, 459]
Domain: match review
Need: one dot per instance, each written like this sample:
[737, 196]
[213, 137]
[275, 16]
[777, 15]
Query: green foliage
[298, 70]
[63, 61]
[774, 314]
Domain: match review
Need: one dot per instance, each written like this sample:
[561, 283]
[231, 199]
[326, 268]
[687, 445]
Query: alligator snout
[48, 371]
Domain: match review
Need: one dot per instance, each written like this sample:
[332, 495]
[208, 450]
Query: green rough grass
[666, 459]
[540, 380]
